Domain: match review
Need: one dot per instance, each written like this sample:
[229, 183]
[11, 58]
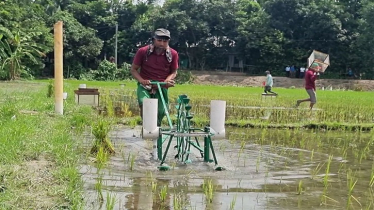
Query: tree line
[262, 35]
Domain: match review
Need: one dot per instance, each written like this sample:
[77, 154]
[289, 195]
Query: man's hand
[145, 82]
[170, 82]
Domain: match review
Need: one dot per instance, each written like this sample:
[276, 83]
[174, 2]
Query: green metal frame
[183, 133]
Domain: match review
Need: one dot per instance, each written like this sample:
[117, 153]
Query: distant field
[245, 104]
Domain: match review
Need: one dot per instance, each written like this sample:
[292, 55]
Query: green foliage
[106, 71]
[124, 72]
[184, 76]
[100, 130]
[265, 34]
[15, 47]
[50, 89]
[8, 109]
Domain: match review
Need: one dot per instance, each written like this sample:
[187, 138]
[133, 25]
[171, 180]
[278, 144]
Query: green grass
[334, 109]
[349, 110]
[39, 152]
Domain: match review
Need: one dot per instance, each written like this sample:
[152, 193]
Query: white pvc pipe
[150, 129]
[217, 119]
[65, 95]
[82, 86]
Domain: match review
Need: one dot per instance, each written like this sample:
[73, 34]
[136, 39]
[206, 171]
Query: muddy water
[257, 176]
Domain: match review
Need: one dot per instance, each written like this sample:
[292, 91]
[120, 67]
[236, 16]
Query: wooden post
[58, 59]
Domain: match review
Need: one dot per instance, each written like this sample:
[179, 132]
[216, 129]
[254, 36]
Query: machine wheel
[183, 126]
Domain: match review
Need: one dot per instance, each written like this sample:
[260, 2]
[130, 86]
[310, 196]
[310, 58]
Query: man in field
[155, 62]
[269, 83]
[310, 85]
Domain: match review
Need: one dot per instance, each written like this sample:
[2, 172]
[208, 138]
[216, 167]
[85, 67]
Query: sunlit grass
[245, 107]
[41, 145]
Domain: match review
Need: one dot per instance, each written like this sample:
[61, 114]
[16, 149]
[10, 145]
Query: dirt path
[241, 79]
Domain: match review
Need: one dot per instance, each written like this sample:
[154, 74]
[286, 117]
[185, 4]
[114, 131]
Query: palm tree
[16, 47]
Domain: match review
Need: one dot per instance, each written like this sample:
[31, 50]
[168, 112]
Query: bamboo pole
[58, 59]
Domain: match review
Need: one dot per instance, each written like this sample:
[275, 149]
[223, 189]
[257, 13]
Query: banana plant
[2, 52]
[14, 48]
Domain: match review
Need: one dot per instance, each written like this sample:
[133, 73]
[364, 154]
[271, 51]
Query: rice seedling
[154, 186]
[99, 189]
[100, 130]
[369, 206]
[131, 159]
[134, 122]
[327, 172]
[110, 201]
[316, 171]
[208, 189]
[351, 183]
[326, 198]
[233, 203]
[342, 166]
[242, 145]
[300, 188]
[178, 202]
[163, 193]
[101, 158]
[125, 110]
[371, 183]
[107, 101]
[258, 161]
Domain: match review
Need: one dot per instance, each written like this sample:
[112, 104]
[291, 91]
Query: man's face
[161, 43]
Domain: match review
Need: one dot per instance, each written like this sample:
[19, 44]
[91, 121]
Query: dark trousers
[302, 74]
[268, 89]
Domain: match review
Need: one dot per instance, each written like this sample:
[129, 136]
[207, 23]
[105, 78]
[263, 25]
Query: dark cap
[162, 33]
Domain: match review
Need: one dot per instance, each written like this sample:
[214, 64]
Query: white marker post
[150, 129]
[217, 119]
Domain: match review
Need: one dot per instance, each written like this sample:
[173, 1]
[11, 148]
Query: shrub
[124, 72]
[184, 76]
[105, 71]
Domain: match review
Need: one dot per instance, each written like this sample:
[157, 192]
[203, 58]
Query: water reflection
[272, 169]
[141, 196]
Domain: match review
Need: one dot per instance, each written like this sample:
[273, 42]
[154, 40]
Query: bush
[183, 77]
[89, 76]
[124, 72]
[106, 71]
[4, 75]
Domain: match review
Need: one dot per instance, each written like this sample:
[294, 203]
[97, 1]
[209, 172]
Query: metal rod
[211, 147]
[159, 147]
[206, 149]
[167, 149]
